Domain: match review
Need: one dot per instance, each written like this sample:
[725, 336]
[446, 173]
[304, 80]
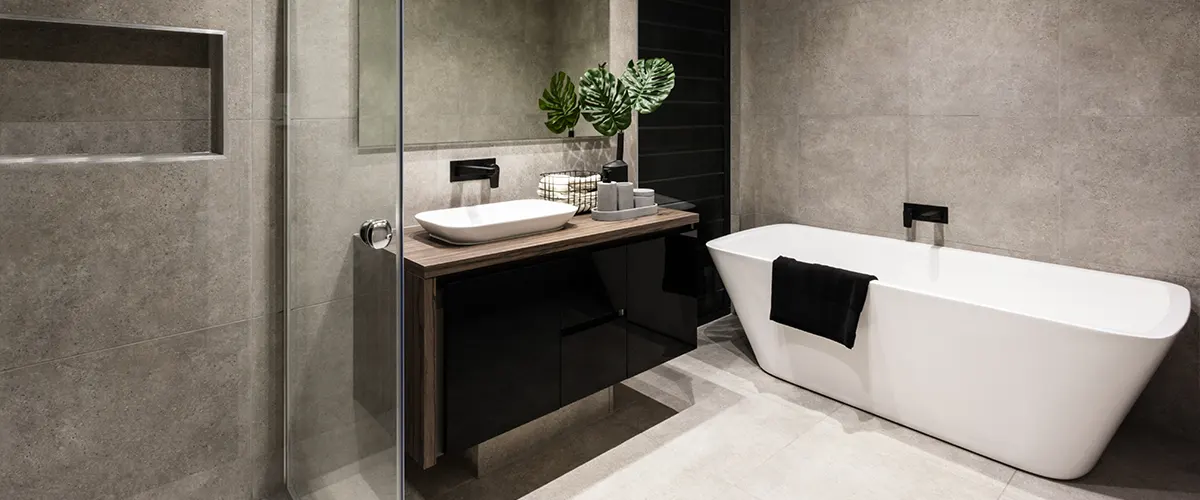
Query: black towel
[821, 300]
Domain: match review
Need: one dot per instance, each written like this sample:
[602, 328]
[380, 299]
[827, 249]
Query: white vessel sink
[495, 221]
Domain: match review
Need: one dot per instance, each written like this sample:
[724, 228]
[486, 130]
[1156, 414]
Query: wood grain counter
[425, 257]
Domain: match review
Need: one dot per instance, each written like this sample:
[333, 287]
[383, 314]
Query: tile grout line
[1006, 484]
[131, 344]
[1061, 251]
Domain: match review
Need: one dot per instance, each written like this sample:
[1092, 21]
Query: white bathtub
[1031, 364]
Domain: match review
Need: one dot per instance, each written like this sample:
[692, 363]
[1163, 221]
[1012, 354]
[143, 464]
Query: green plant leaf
[649, 81]
[606, 103]
[561, 104]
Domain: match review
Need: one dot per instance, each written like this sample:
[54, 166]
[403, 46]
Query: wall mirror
[473, 69]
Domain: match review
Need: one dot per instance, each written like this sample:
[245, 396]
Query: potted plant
[608, 102]
[561, 104]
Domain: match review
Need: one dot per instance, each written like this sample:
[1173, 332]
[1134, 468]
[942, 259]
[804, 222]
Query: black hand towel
[821, 300]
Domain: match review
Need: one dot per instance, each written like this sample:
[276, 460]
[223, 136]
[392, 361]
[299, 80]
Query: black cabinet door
[664, 281]
[501, 335]
[594, 292]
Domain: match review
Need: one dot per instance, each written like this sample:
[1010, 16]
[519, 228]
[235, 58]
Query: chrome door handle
[376, 233]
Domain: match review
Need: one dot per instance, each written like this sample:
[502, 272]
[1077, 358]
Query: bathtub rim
[1179, 305]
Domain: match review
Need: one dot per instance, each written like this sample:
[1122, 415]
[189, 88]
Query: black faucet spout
[469, 170]
[925, 213]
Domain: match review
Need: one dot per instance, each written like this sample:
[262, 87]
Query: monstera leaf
[649, 82]
[561, 104]
[606, 103]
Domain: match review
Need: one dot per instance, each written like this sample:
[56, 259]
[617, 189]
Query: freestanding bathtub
[1031, 364]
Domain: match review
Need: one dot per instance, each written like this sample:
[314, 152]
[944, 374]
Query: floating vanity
[502, 333]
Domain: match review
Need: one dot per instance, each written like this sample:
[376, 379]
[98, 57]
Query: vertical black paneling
[501, 333]
[684, 148]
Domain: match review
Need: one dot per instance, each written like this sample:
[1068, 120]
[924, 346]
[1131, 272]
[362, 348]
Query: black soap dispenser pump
[616, 170]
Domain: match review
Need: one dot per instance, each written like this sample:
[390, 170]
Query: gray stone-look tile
[772, 45]
[268, 212]
[333, 190]
[231, 16]
[998, 176]
[1129, 196]
[260, 407]
[852, 172]
[1124, 57]
[219, 483]
[854, 59]
[130, 137]
[53, 91]
[324, 77]
[121, 421]
[269, 91]
[97, 256]
[984, 57]
[773, 163]
[321, 385]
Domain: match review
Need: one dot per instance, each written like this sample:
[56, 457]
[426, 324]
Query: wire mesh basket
[574, 187]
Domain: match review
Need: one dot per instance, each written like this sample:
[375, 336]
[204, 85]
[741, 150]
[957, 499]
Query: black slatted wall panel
[684, 146]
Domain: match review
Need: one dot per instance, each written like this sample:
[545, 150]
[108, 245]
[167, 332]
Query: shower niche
[99, 90]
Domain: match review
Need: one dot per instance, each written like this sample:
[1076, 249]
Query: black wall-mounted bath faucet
[474, 170]
[925, 213]
[938, 215]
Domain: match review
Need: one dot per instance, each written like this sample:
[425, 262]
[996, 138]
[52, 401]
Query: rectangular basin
[495, 221]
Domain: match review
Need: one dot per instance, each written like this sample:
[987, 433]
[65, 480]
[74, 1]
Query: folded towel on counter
[821, 300]
[563, 182]
[583, 201]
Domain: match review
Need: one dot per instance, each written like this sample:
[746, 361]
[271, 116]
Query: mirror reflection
[473, 69]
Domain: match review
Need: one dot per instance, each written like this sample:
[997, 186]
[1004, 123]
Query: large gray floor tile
[856, 455]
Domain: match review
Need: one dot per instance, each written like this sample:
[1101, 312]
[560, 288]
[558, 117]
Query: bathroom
[317, 249]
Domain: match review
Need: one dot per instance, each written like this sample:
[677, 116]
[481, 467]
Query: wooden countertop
[425, 257]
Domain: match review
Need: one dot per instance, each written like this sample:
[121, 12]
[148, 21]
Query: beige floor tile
[853, 455]
[351, 488]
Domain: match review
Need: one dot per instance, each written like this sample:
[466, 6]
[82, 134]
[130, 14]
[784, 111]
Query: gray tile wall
[86, 90]
[141, 321]
[1057, 130]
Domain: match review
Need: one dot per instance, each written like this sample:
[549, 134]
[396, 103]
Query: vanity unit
[499, 334]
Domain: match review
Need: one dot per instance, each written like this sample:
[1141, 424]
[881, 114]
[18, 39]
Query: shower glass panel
[342, 363]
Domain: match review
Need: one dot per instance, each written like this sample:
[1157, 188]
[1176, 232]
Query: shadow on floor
[451, 478]
[1140, 465]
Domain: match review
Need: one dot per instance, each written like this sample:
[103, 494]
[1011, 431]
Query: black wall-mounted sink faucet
[939, 216]
[473, 170]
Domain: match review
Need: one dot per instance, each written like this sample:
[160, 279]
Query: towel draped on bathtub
[821, 300]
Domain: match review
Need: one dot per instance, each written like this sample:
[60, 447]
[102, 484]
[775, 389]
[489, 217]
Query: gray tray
[632, 213]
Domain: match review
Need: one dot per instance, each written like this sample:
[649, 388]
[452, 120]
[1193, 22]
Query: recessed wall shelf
[102, 92]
